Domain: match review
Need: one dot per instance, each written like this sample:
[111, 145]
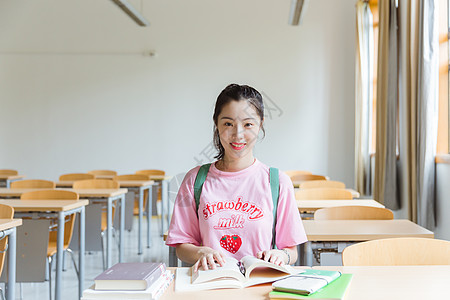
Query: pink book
[129, 276]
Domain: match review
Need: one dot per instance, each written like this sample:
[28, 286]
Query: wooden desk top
[44, 205]
[83, 193]
[313, 205]
[11, 177]
[362, 230]
[368, 283]
[9, 223]
[99, 193]
[123, 183]
[396, 282]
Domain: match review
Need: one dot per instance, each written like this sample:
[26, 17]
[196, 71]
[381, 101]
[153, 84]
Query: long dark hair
[236, 92]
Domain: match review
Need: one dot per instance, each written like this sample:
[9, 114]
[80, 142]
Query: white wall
[76, 94]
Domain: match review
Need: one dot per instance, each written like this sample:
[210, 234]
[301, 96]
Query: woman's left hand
[274, 256]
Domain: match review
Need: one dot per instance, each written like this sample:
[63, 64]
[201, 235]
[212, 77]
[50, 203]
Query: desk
[8, 228]
[396, 282]
[140, 186]
[164, 182]
[318, 231]
[368, 283]
[7, 179]
[60, 209]
[107, 195]
[310, 206]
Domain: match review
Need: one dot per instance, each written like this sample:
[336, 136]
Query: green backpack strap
[274, 179]
[198, 184]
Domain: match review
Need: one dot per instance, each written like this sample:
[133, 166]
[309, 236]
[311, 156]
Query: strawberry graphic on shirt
[231, 243]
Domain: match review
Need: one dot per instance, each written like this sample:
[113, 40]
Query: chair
[398, 252]
[323, 194]
[315, 184]
[103, 173]
[353, 213]
[6, 212]
[68, 225]
[8, 172]
[291, 173]
[33, 184]
[76, 176]
[152, 172]
[99, 184]
[307, 177]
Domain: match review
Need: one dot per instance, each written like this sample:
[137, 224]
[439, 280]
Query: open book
[234, 274]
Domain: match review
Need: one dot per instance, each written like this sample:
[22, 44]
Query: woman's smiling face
[238, 124]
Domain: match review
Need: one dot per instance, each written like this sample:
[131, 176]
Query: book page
[255, 265]
[230, 270]
[183, 282]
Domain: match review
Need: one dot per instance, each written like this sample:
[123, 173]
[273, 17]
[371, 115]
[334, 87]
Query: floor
[157, 252]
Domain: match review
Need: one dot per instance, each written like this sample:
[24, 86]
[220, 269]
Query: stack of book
[130, 281]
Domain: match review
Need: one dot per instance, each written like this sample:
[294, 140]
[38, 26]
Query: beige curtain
[363, 96]
[417, 92]
[385, 189]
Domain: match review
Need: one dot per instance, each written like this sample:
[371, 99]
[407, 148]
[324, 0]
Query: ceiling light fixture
[132, 12]
[298, 10]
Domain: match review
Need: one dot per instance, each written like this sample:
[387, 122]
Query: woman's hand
[275, 256]
[208, 259]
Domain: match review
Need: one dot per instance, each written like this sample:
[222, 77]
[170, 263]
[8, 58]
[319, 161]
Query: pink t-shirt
[235, 214]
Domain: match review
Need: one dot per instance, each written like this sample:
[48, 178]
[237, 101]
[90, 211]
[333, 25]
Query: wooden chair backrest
[56, 195]
[8, 172]
[131, 177]
[6, 212]
[96, 184]
[398, 252]
[317, 184]
[33, 184]
[151, 172]
[76, 176]
[103, 172]
[291, 173]
[307, 177]
[353, 213]
[323, 194]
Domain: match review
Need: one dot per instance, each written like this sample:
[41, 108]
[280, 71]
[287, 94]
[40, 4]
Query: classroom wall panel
[79, 92]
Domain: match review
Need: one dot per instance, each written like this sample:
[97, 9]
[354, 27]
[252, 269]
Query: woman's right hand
[208, 258]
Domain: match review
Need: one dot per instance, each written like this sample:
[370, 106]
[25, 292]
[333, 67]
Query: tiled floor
[158, 252]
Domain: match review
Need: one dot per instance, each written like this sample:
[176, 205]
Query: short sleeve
[184, 225]
[289, 227]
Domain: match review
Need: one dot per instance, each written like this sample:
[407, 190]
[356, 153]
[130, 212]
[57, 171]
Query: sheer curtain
[415, 46]
[363, 96]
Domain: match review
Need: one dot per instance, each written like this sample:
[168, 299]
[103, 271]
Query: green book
[334, 291]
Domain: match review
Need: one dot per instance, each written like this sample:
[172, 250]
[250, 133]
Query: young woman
[234, 216]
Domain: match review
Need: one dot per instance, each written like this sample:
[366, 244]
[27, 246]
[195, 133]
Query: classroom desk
[104, 195]
[308, 207]
[319, 232]
[8, 228]
[396, 282]
[165, 205]
[7, 179]
[59, 209]
[368, 283]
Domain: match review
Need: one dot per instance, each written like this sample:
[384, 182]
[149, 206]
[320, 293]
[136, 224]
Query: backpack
[274, 187]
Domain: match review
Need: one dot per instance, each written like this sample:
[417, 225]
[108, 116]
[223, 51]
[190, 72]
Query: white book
[152, 292]
[234, 274]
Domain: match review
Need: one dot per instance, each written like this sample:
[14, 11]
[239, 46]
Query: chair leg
[72, 255]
